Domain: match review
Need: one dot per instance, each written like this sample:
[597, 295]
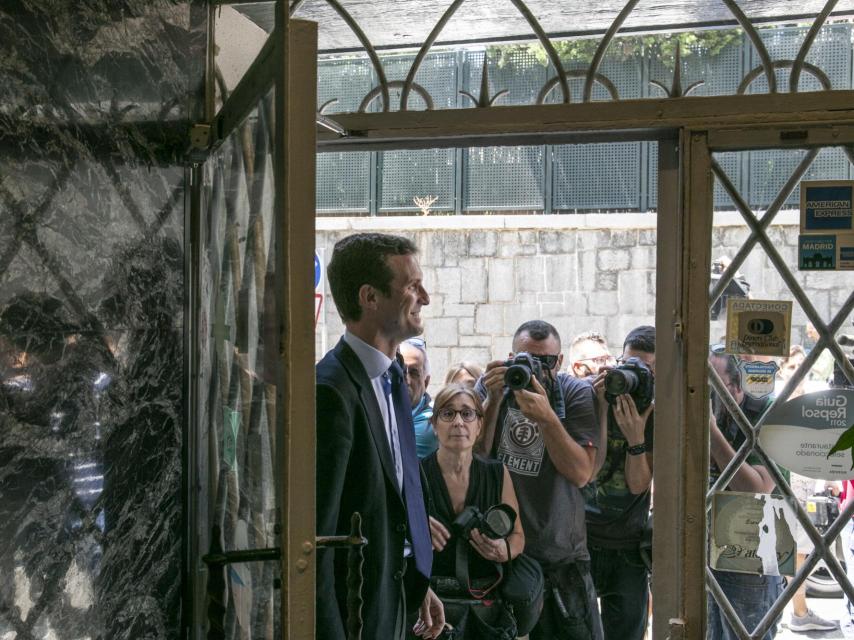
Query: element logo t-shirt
[521, 447]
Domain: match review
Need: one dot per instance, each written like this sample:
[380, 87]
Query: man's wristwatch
[637, 449]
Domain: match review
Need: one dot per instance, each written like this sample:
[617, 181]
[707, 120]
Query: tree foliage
[580, 52]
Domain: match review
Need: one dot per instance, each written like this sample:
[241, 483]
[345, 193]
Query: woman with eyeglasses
[457, 478]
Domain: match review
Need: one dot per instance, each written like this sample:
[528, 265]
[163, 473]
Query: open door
[744, 454]
[251, 446]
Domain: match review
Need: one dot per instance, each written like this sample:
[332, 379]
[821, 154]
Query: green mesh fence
[563, 178]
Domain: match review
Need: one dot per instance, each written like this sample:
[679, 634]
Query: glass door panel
[776, 355]
[238, 345]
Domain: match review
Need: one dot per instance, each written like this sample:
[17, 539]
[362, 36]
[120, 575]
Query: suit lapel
[368, 398]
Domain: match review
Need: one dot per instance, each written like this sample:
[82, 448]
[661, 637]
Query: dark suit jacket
[355, 472]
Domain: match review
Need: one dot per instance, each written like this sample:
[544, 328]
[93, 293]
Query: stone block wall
[488, 274]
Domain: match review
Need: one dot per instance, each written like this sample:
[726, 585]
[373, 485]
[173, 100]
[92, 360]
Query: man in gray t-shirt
[547, 435]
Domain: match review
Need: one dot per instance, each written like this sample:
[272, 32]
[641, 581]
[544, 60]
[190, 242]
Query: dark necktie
[416, 514]
[393, 437]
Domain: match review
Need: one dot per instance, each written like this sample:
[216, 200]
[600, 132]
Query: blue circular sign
[316, 271]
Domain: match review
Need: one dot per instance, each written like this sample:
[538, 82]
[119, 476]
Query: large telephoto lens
[620, 381]
[517, 376]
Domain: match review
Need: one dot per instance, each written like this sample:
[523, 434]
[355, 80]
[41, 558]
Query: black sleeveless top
[486, 479]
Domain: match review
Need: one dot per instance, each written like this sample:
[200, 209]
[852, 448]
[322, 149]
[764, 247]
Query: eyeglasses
[600, 360]
[421, 343]
[549, 362]
[449, 415]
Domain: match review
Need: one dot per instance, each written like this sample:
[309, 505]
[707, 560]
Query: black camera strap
[462, 567]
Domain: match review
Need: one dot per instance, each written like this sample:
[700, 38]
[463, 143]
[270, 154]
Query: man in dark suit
[366, 459]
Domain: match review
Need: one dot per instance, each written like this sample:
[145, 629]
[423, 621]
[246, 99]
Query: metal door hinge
[677, 329]
[200, 142]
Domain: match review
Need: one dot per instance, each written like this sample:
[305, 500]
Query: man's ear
[367, 297]
[559, 362]
[426, 382]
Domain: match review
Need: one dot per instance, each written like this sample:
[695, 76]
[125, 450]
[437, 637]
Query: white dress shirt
[376, 363]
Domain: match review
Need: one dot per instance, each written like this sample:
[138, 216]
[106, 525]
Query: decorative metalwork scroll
[591, 74]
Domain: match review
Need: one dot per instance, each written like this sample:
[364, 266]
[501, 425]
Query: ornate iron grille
[766, 262]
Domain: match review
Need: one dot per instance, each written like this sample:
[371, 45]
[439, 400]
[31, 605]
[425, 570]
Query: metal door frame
[683, 259]
[296, 107]
[698, 147]
[687, 130]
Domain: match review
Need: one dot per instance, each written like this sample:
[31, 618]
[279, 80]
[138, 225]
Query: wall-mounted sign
[845, 255]
[758, 327]
[826, 252]
[816, 253]
[826, 205]
[798, 434]
[752, 533]
[758, 378]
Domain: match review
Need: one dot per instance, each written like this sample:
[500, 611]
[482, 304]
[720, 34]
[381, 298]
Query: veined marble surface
[93, 99]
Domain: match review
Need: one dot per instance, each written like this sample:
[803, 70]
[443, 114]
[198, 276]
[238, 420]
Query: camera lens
[498, 521]
[517, 376]
[620, 381]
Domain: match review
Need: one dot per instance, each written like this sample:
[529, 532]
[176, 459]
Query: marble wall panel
[95, 103]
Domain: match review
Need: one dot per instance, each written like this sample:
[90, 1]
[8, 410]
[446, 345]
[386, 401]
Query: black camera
[496, 523]
[632, 377]
[520, 369]
[738, 287]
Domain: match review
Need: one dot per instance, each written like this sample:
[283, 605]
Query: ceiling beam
[602, 121]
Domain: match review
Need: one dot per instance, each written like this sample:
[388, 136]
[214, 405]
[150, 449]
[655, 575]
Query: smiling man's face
[400, 311]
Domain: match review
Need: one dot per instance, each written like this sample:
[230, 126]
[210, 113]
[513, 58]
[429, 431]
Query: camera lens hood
[498, 521]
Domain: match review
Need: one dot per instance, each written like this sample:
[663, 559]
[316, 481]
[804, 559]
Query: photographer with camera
[618, 501]
[473, 532]
[542, 425]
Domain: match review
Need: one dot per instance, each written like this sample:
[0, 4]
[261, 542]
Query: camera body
[496, 523]
[738, 287]
[520, 369]
[632, 377]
